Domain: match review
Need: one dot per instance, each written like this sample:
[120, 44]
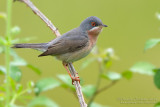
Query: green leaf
[67, 82]
[108, 63]
[143, 68]
[158, 15]
[42, 101]
[2, 41]
[30, 84]
[1, 50]
[2, 97]
[2, 88]
[15, 41]
[88, 90]
[112, 76]
[15, 73]
[157, 104]
[19, 88]
[13, 84]
[13, 105]
[156, 70]
[18, 61]
[15, 30]
[151, 43]
[2, 70]
[46, 84]
[87, 62]
[35, 69]
[157, 79]
[3, 15]
[97, 105]
[14, 54]
[127, 74]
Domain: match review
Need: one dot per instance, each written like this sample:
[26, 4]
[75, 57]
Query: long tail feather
[38, 46]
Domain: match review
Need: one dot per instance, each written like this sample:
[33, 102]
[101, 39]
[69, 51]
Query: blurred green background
[131, 23]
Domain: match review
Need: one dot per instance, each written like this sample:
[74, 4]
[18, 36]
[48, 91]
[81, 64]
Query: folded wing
[66, 44]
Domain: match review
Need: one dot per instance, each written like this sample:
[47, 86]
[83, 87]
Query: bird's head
[92, 25]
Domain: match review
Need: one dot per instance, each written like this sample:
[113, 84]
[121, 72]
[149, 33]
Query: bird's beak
[104, 25]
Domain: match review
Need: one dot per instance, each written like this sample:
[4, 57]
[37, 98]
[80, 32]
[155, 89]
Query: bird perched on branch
[73, 45]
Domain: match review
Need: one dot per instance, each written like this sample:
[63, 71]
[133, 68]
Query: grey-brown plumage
[67, 43]
[72, 45]
[30, 45]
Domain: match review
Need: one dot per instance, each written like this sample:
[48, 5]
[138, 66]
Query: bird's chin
[95, 30]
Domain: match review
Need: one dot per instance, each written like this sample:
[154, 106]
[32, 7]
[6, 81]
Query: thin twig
[57, 33]
[100, 90]
[107, 86]
[97, 84]
[42, 16]
[97, 91]
[78, 86]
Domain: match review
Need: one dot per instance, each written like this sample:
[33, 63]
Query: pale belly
[74, 56]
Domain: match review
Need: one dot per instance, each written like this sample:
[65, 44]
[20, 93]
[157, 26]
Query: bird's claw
[75, 79]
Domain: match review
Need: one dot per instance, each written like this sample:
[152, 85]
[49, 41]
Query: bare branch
[42, 16]
[100, 90]
[57, 33]
[78, 86]
[97, 84]
[106, 87]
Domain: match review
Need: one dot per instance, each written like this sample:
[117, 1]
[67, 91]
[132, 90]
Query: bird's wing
[66, 44]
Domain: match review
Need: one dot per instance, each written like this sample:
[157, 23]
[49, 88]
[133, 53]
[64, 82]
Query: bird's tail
[37, 46]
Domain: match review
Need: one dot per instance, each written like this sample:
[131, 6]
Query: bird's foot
[75, 79]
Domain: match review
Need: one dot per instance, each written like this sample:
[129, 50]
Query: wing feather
[66, 43]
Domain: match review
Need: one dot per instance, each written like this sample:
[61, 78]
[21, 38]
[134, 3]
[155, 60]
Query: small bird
[73, 45]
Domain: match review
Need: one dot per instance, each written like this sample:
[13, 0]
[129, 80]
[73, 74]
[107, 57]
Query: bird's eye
[93, 23]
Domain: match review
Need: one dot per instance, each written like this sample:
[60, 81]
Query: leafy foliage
[15, 30]
[156, 71]
[2, 41]
[157, 104]
[88, 90]
[87, 62]
[46, 84]
[17, 90]
[15, 73]
[3, 15]
[127, 74]
[42, 101]
[66, 82]
[2, 70]
[97, 105]
[158, 15]
[35, 69]
[112, 76]
[151, 43]
[157, 78]
[143, 68]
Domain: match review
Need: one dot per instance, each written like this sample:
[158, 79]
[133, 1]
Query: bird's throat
[93, 34]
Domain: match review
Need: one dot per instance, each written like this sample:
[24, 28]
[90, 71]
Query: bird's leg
[73, 78]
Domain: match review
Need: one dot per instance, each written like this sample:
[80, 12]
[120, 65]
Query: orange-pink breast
[93, 35]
